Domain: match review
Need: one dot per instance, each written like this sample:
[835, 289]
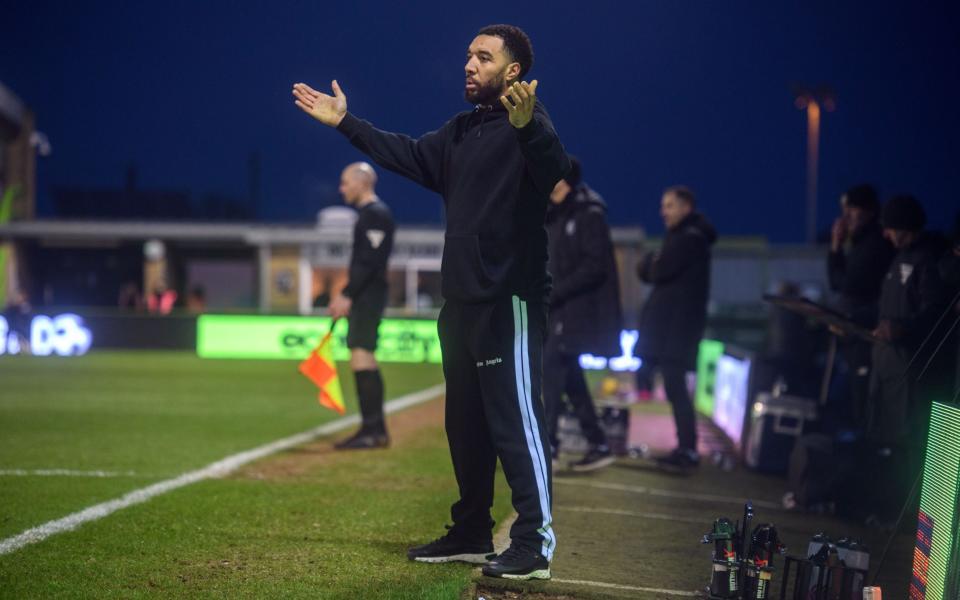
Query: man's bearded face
[486, 70]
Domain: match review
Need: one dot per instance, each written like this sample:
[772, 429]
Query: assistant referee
[364, 298]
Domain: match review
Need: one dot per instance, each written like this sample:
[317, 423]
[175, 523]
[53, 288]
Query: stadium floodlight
[813, 100]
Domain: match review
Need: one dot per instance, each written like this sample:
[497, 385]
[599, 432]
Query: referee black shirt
[372, 243]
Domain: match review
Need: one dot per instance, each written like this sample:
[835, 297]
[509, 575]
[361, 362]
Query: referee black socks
[370, 396]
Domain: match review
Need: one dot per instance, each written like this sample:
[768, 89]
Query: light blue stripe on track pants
[492, 356]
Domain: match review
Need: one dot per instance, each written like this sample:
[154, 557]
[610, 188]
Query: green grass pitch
[300, 524]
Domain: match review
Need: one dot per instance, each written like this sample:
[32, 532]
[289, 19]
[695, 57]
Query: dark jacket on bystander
[585, 313]
[675, 314]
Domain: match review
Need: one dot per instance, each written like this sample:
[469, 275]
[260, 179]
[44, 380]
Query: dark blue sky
[648, 94]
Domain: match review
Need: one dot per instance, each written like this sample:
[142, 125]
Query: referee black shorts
[363, 322]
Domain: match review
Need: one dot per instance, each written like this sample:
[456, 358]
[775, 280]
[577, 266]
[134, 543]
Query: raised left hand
[519, 105]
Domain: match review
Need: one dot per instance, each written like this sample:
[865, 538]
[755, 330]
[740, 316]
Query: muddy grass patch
[408, 429]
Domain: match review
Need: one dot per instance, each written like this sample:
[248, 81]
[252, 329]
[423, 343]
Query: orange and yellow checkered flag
[320, 368]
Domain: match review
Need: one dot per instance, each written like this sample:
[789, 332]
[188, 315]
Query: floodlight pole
[813, 157]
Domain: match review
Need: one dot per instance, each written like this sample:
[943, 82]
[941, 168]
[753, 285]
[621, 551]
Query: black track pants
[492, 365]
[563, 375]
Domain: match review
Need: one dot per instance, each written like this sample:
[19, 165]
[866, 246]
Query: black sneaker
[451, 549]
[681, 460]
[518, 562]
[596, 458]
[363, 440]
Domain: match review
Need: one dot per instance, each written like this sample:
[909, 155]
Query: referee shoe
[364, 441]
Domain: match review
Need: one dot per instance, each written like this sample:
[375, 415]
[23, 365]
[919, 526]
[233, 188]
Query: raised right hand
[329, 110]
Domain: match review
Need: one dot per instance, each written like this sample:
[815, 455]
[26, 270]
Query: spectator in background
[364, 299]
[908, 372]
[129, 296]
[674, 316]
[197, 300]
[857, 263]
[17, 315]
[162, 299]
[584, 315]
[914, 297]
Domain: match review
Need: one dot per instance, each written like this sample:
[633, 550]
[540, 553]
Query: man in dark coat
[857, 263]
[584, 312]
[910, 366]
[675, 315]
[909, 371]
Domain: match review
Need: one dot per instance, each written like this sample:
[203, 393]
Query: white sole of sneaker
[539, 574]
[603, 462]
[475, 559]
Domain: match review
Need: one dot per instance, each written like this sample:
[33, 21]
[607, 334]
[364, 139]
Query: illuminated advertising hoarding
[399, 340]
[268, 337]
[710, 351]
[625, 362]
[731, 395]
[60, 335]
[936, 557]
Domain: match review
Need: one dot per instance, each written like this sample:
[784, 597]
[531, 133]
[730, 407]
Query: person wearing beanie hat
[904, 213]
[908, 373]
[856, 265]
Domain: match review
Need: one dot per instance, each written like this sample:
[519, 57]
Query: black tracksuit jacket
[495, 192]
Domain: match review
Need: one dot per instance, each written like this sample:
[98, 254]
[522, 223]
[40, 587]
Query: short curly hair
[516, 42]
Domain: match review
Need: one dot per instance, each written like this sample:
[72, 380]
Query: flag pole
[329, 333]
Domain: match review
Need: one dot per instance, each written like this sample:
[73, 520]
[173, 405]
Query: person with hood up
[675, 314]
[584, 314]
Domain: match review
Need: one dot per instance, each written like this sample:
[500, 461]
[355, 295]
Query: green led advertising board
[710, 351]
[286, 338]
[936, 564]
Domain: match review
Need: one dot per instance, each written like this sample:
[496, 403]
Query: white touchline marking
[630, 513]
[63, 473]
[638, 489]
[217, 469]
[617, 586]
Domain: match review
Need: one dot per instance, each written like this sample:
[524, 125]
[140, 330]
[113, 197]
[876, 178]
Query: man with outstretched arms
[495, 167]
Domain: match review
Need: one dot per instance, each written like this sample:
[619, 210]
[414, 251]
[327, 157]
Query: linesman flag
[322, 371]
